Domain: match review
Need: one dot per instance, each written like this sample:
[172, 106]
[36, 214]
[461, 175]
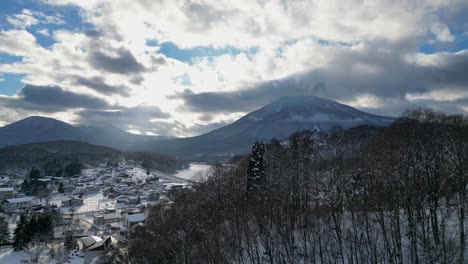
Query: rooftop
[136, 218]
[20, 200]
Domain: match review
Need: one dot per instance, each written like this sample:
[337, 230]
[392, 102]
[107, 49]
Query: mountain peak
[38, 122]
[299, 99]
[289, 114]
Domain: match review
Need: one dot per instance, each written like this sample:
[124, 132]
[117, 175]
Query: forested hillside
[53, 156]
[40, 154]
[364, 195]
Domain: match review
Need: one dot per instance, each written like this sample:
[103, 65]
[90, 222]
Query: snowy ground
[91, 203]
[195, 172]
[9, 256]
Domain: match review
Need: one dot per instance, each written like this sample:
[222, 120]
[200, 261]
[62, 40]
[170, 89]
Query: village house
[72, 201]
[68, 189]
[17, 203]
[108, 218]
[6, 193]
[93, 247]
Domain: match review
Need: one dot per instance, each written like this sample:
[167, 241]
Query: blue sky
[173, 68]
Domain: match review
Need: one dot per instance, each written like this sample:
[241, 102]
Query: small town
[81, 218]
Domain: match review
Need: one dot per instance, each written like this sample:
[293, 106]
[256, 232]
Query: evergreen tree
[59, 173]
[73, 169]
[34, 174]
[70, 242]
[4, 232]
[32, 229]
[47, 228]
[256, 170]
[26, 187]
[61, 188]
[21, 239]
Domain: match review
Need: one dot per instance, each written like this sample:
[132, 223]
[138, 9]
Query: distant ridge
[276, 120]
[36, 129]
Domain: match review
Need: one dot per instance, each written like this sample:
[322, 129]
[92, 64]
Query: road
[171, 177]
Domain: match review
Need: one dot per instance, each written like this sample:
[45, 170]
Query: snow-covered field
[194, 172]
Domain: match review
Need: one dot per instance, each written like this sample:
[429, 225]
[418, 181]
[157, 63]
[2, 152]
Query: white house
[94, 247]
[17, 203]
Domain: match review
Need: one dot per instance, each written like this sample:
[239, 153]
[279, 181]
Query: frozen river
[194, 172]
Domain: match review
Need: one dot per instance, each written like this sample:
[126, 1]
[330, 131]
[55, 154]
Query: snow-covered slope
[290, 114]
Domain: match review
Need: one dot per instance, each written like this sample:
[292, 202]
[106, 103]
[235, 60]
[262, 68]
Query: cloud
[138, 117]
[43, 31]
[122, 63]
[367, 54]
[23, 20]
[442, 33]
[51, 99]
[18, 43]
[346, 79]
[98, 84]
[28, 18]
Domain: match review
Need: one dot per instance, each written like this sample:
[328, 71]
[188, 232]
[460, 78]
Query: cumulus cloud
[57, 97]
[346, 79]
[123, 62]
[366, 54]
[23, 20]
[442, 32]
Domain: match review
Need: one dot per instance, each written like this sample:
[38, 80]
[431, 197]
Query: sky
[183, 68]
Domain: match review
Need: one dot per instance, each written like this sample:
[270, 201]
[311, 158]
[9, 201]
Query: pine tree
[4, 232]
[256, 170]
[21, 239]
[61, 188]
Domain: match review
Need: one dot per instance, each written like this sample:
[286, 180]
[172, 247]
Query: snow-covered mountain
[290, 114]
[276, 120]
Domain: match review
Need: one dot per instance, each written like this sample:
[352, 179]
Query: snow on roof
[20, 200]
[96, 238]
[136, 218]
[6, 189]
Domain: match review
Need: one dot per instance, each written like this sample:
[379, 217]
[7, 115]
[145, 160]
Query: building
[72, 201]
[68, 189]
[94, 247]
[133, 219]
[107, 218]
[17, 203]
[6, 193]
